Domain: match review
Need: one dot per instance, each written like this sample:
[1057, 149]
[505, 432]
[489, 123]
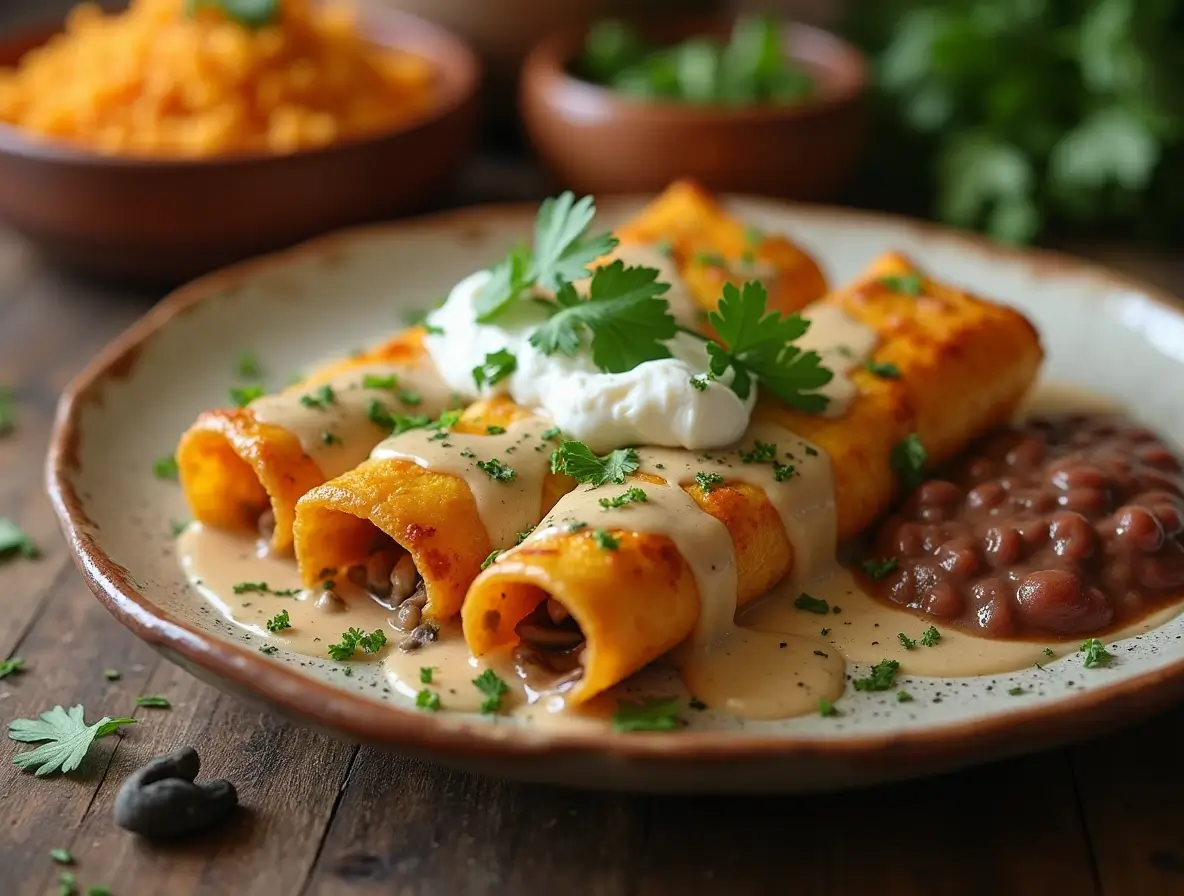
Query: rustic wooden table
[323, 817]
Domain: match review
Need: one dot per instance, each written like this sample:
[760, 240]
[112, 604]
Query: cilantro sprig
[655, 714]
[495, 368]
[758, 345]
[625, 313]
[64, 736]
[581, 463]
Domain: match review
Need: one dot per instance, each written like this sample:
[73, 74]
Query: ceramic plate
[1102, 332]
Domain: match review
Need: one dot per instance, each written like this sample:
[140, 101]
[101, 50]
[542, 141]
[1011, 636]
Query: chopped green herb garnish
[354, 638]
[279, 622]
[905, 641]
[489, 684]
[67, 738]
[426, 674]
[826, 708]
[166, 468]
[886, 370]
[549, 435]
[1096, 653]
[904, 697]
[374, 381]
[606, 541]
[178, 526]
[244, 395]
[710, 260]
[908, 460]
[905, 284]
[1048, 651]
[824, 632]
[495, 430]
[268, 649]
[781, 472]
[328, 438]
[883, 677]
[655, 714]
[154, 702]
[14, 541]
[759, 346]
[811, 604]
[248, 13]
[1016, 691]
[576, 526]
[625, 312]
[631, 495]
[761, 453]
[496, 470]
[61, 856]
[428, 700]
[488, 561]
[699, 382]
[319, 398]
[665, 248]
[11, 665]
[496, 367]
[112, 674]
[708, 481]
[7, 411]
[578, 461]
[877, 569]
[753, 236]
[930, 637]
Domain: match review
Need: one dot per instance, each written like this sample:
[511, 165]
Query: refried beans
[1062, 525]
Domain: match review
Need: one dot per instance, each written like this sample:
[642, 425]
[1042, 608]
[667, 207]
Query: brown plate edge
[899, 753]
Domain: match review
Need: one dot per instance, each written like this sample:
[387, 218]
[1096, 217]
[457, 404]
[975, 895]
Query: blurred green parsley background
[1018, 117]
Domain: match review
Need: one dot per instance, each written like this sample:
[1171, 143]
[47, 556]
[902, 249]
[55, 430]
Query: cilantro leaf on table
[581, 463]
[759, 345]
[15, 541]
[562, 249]
[628, 319]
[67, 739]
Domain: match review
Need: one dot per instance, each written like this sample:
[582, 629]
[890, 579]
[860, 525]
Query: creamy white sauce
[506, 508]
[844, 344]
[339, 434]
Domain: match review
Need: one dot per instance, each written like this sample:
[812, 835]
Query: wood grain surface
[322, 817]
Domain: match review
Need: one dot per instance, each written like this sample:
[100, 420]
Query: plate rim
[322, 703]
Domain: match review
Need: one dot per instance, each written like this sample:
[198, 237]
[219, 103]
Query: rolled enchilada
[597, 594]
[247, 467]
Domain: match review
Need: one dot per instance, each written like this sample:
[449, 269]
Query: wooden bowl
[166, 220]
[598, 140]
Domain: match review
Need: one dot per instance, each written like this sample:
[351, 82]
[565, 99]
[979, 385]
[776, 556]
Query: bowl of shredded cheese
[174, 136]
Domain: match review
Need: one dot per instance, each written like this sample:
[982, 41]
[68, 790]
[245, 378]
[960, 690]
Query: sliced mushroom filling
[550, 651]
[390, 577]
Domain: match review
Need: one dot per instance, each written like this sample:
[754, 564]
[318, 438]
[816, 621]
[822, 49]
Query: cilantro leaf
[908, 460]
[374, 381]
[826, 708]
[244, 395]
[279, 622]
[15, 541]
[628, 319]
[562, 250]
[578, 461]
[9, 666]
[884, 370]
[354, 638]
[930, 636]
[495, 368]
[428, 700]
[605, 540]
[708, 481]
[488, 561]
[67, 737]
[508, 281]
[811, 604]
[654, 714]
[905, 284]
[496, 470]
[877, 569]
[166, 468]
[760, 345]
[905, 641]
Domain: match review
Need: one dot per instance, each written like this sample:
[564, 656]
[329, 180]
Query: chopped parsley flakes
[319, 398]
[699, 382]
[1096, 654]
[244, 395]
[154, 702]
[877, 569]
[354, 638]
[708, 481]
[631, 495]
[489, 684]
[930, 637]
[373, 381]
[826, 708]
[577, 460]
[605, 540]
[488, 561]
[428, 700]
[654, 714]
[906, 642]
[496, 470]
[426, 674]
[14, 541]
[11, 666]
[908, 460]
[886, 370]
[279, 622]
[762, 452]
[263, 588]
[166, 468]
[495, 430]
[883, 677]
[905, 284]
[811, 604]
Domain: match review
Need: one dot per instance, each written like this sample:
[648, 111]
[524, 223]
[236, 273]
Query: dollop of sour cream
[655, 403]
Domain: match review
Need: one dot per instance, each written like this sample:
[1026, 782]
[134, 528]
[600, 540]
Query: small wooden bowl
[598, 140]
[166, 220]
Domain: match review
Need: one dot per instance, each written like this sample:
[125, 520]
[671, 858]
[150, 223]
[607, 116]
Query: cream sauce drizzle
[506, 508]
[844, 344]
[339, 434]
